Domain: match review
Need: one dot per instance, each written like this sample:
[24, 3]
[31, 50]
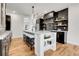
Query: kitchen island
[28, 37]
[40, 40]
[44, 40]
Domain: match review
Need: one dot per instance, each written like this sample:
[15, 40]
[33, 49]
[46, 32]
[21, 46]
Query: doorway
[8, 22]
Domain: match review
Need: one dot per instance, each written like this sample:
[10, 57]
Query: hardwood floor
[19, 48]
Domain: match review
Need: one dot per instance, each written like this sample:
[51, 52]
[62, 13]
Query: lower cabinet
[62, 37]
[28, 40]
[0, 47]
[4, 45]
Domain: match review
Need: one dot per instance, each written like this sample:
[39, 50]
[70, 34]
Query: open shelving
[58, 20]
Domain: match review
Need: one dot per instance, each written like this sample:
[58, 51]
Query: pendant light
[33, 20]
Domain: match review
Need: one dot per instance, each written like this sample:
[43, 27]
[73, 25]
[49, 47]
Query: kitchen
[40, 22]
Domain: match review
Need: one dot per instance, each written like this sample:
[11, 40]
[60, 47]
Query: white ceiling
[40, 8]
[21, 8]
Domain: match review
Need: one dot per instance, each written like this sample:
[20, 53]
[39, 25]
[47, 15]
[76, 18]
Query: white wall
[28, 22]
[73, 31]
[17, 22]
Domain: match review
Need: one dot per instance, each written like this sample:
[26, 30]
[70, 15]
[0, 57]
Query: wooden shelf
[60, 25]
[60, 20]
[48, 18]
[48, 22]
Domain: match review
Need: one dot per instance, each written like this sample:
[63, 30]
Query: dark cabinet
[0, 48]
[42, 25]
[28, 40]
[63, 13]
[60, 37]
[61, 21]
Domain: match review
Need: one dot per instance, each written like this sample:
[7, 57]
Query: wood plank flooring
[19, 48]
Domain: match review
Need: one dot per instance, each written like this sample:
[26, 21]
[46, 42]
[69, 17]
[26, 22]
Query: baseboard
[73, 43]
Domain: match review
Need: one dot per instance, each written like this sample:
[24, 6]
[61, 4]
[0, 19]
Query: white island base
[44, 40]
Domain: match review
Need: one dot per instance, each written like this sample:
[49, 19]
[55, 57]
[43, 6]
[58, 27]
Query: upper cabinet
[61, 21]
[49, 15]
[49, 20]
[56, 20]
[2, 14]
[63, 14]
